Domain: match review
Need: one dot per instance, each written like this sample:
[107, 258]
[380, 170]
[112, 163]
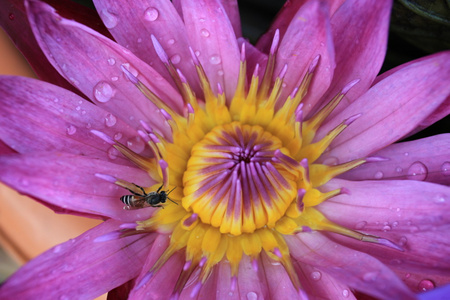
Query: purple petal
[212, 38]
[68, 181]
[437, 294]
[80, 268]
[307, 36]
[139, 21]
[360, 30]
[359, 270]
[391, 108]
[93, 64]
[37, 116]
[232, 10]
[284, 17]
[15, 23]
[409, 213]
[320, 285]
[426, 159]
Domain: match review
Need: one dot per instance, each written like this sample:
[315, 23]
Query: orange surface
[28, 228]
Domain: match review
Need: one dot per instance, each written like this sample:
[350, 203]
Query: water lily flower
[246, 172]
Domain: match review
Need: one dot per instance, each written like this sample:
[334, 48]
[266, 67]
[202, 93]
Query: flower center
[233, 181]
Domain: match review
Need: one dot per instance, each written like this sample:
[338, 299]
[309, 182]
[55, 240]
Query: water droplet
[109, 19]
[114, 78]
[361, 225]
[417, 171]
[57, 249]
[71, 130]
[426, 285]
[111, 61]
[110, 120]
[220, 72]
[316, 275]
[83, 112]
[215, 60]
[151, 14]
[204, 32]
[439, 198]
[407, 275]
[175, 59]
[117, 136]
[331, 161]
[67, 268]
[252, 296]
[139, 40]
[345, 293]
[406, 153]
[445, 168]
[103, 91]
[11, 16]
[386, 228]
[402, 241]
[78, 107]
[113, 153]
[395, 224]
[370, 276]
[398, 170]
[171, 42]
[136, 144]
[197, 53]
[56, 100]
[413, 229]
[378, 175]
[130, 69]
[88, 125]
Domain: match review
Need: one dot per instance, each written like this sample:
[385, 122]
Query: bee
[152, 199]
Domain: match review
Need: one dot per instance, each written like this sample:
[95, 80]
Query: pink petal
[93, 64]
[426, 159]
[307, 36]
[409, 213]
[320, 285]
[232, 10]
[161, 284]
[69, 181]
[38, 116]
[359, 270]
[391, 108]
[253, 57]
[360, 30]
[80, 268]
[284, 17]
[212, 38]
[15, 22]
[133, 26]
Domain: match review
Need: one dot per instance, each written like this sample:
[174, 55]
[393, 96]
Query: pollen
[243, 173]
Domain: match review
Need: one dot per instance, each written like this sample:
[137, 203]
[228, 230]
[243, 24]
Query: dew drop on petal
[445, 168]
[67, 268]
[71, 130]
[204, 32]
[417, 171]
[113, 153]
[151, 14]
[220, 72]
[252, 296]
[114, 78]
[11, 16]
[386, 228]
[439, 198]
[103, 91]
[171, 42]
[136, 144]
[402, 241]
[345, 293]
[118, 136]
[78, 108]
[57, 248]
[130, 69]
[111, 61]
[109, 19]
[426, 285]
[360, 225]
[370, 276]
[395, 262]
[398, 170]
[215, 60]
[110, 120]
[316, 275]
[197, 53]
[378, 175]
[175, 59]
[331, 161]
